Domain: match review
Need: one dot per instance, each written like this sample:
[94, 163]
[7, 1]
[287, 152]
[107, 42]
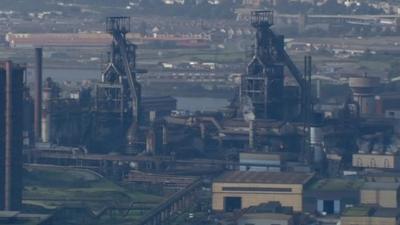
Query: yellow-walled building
[242, 189]
[382, 194]
[367, 215]
[379, 161]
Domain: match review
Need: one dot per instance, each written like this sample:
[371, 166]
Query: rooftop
[381, 186]
[264, 177]
[358, 211]
[150, 99]
[336, 185]
[370, 211]
[270, 207]
[272, 216]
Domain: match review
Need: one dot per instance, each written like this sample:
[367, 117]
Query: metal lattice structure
[119, 93]
[119, 24]
[262, 18]
[263, 82]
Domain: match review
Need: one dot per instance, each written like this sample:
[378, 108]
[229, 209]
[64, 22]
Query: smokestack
[8, 137]
[307, 103]
[2, 134]
[251, 134]
[38, 92]
[13, 138]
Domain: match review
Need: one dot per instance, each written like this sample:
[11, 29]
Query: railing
[118, 24]
[262, 18]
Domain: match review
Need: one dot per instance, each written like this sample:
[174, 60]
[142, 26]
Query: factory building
[253, 161]
[59, 40]
[331, 196]
[366, 215]
[383, 194]
[238, 190]
[22, 40]
[364, 90]
[11, 138]
[110, 117]
[388, 105]
[271, 213]
[376, 160]
[160, 105]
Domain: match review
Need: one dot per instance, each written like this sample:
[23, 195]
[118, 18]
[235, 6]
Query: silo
[316, 143]
[364, 89]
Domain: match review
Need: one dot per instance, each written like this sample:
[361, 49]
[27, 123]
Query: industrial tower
[11, 117]
[263, 82]
[119, 93]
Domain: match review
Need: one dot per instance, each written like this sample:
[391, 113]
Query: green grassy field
[49, 188]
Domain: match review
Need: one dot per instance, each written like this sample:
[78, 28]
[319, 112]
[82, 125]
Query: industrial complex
[292, 147]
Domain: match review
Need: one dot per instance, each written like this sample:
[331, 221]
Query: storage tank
[317, 142]
[364, 89]
[316, 135]
[318, 154]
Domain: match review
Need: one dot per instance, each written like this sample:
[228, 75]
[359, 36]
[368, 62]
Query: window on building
[386, 163]
[359, 162]
[372, 163]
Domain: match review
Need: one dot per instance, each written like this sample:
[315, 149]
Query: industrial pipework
[264, 78]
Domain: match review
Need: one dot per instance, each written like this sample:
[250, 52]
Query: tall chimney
[2, 134]
[8, 138]
[251, 135]
[13, 137]
[38, 92]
